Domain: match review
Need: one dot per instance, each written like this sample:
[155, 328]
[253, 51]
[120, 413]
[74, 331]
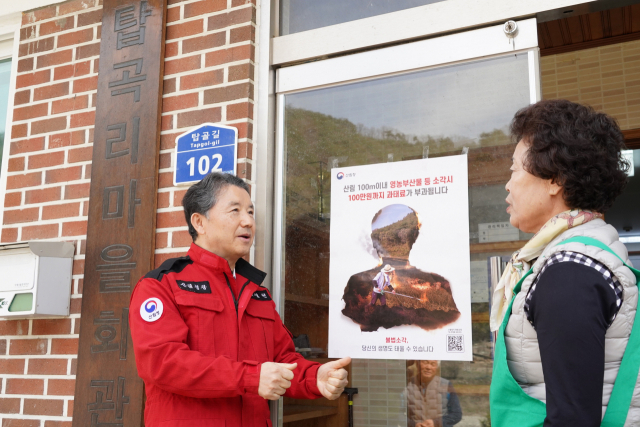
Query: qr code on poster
[455, 343]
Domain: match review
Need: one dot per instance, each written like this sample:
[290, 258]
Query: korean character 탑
[195, 137]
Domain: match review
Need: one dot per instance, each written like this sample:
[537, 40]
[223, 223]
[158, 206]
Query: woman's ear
[554, 188]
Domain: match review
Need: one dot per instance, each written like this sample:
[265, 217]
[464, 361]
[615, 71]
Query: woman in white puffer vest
[564, 310]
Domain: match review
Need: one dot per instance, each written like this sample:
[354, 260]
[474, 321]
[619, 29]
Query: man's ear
[197, 221]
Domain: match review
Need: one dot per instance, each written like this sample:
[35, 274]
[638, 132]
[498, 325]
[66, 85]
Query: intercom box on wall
[35, 279]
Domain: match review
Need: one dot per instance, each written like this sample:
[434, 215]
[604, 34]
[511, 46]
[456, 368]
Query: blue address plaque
[205, 149]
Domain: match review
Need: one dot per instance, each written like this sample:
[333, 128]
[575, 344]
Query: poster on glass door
[399, 279]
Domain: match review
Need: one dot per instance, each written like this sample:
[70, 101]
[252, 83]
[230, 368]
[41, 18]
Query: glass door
[432, 98]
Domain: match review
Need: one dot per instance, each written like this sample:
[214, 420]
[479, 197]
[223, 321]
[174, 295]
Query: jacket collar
[216, 263]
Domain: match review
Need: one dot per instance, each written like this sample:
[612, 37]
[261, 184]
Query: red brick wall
[208, 77]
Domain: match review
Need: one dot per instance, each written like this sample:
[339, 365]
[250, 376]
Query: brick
[184, 30]
[88, 51]
[59, 140]
[40, 232]
[237, 53]
[16, 164]
[19, 131]
[25, 65]
[75, 306]
[53, 176]
[56, 26]
[14, 327]
[242, 110]
[72, 70]
[171, 49]
[64, 345]
[87, 172]
[241, 72]
[193, 118]
[78, 266]
[169, 86]
[74, 228]
[165, 161]
[85, 85]
[52, 91]
[245, 130]
[28, 32]
[69, 104]
[208, 78]
[26, 146]
[25, 180]
[181, 239]
[42, 196]
[164, 200]
[203, 7]
[17, 216]
[73, 6]
[205, 42]
[236, 3]
[232, 18]
[12, 200]
[10, 406]
[89, 18]
[55, 58]
[242, 34]
[9, 422]
[22, 97]
[179, 102]
[160, 258]
[79, 137]
[80, 154]
[49, 423]
[38, 46]
[173, 14]
[181, 65]
[162, 239]
[30, 112]
[165, 180]
[8, 235]
[245, 150]
[77, 37]
[67, 210]
[37, 78]
[28, 346]
[168, 141]
[61, 387]
[40, 14]
[83, 119]
[49, 125]
[170, 219]
[47, 367]
[43, 407]
[244, 170]
[228, 93]
[51, 326]
[166, 122]
[37, 161]
[76, 191]
[177, 197]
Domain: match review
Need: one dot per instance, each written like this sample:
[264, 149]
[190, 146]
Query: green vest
[512, 407]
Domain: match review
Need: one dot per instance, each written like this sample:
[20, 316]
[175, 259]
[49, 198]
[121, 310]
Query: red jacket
[199, 353]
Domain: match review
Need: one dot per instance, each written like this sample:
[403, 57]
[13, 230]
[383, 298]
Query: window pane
[403, 117]
[5, 73]
[303, 15]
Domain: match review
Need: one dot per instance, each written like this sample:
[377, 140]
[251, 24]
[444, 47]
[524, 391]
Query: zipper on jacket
[235, 301]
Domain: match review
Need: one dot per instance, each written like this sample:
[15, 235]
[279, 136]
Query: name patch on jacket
[261, 296]
[197, 287]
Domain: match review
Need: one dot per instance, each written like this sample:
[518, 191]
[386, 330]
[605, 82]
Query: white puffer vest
[523, 353]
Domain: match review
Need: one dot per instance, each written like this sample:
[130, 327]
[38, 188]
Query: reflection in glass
[303, 15]
[5, 74]
[431, 113]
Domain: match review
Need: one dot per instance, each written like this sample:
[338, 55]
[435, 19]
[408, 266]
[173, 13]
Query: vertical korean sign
[122, 209]
[399, 279]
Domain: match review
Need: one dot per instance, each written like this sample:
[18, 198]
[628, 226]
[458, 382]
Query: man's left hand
[332, 378]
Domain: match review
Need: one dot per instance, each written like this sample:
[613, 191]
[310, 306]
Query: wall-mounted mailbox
[35, 279]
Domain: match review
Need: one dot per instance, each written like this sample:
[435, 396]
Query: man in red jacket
[208, 341]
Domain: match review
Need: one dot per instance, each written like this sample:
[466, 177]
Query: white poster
[399, 279]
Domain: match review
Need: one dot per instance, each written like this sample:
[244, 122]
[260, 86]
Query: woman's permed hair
[576, 147]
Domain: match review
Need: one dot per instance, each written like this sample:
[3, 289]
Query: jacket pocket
[208, 422]
[199, 312]
[260, 322]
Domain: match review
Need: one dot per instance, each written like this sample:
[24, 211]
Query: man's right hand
[275, 379]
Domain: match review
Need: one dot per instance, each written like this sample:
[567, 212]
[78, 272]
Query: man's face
[229, 227]
[428, 369]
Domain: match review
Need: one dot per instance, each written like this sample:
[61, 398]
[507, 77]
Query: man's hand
[426, 423]
[275, 379]
[332, 378]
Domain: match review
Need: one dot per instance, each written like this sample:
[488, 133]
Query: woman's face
[532, 200]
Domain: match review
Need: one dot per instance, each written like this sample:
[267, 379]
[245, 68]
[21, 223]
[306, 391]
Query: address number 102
[204, 163]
